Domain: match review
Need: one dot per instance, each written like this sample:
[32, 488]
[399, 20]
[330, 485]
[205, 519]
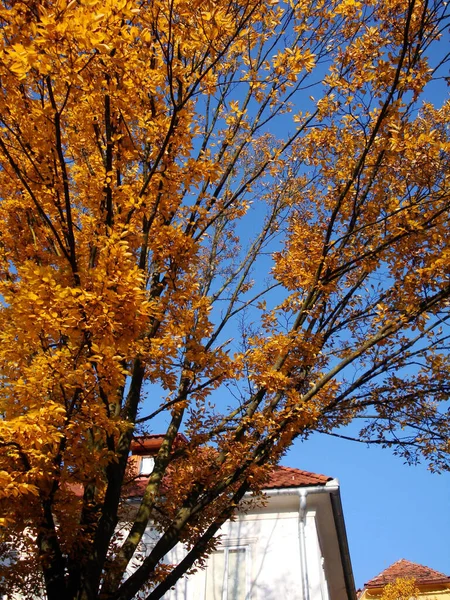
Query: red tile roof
[281, 477]
[151, 443]
[286, 477]
[136, 487]
[407, 569]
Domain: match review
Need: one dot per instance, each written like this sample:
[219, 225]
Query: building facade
[292, 547]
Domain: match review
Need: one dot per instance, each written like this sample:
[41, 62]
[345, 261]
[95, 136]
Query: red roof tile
[136, 487]
[151, 443]
[407, 569]
[286, 477]
[281, 477]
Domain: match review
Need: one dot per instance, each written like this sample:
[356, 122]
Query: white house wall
[317, 583]
[272, 540]
[271, 536]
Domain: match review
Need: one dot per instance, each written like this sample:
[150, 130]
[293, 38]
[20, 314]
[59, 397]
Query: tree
[402, 588]
[232, 215]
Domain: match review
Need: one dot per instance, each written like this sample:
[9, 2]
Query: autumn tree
[402, 588]
[228, 217]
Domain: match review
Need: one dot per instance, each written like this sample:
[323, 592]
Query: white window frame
[225, 548]
[146, 460]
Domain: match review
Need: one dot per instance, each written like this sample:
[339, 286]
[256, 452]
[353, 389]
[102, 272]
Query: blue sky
[391, 510]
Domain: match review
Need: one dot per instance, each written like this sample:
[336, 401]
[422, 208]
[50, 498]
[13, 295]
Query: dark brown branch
[65, 178]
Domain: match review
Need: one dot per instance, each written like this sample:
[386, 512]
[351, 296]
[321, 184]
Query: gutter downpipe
[332, 488]
[338, 515]
[302, 541]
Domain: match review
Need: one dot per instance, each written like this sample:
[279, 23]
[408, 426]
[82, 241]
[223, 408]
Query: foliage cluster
[227, 216]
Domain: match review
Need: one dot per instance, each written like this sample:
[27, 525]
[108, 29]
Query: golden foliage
[402, 588]
[187, 232]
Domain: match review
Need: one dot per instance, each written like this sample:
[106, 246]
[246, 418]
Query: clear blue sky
[391, 510]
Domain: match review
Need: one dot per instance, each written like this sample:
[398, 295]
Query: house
[294, 547]
[291, 547]
[431, 584]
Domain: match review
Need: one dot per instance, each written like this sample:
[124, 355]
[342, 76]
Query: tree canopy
[228, 218]
[402, 588]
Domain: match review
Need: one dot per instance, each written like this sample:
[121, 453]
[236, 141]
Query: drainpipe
[302, 542]
[338, 516]
[332, 488]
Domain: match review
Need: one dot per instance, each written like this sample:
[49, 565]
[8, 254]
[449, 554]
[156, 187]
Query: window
[147, 464]
[227, 574]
